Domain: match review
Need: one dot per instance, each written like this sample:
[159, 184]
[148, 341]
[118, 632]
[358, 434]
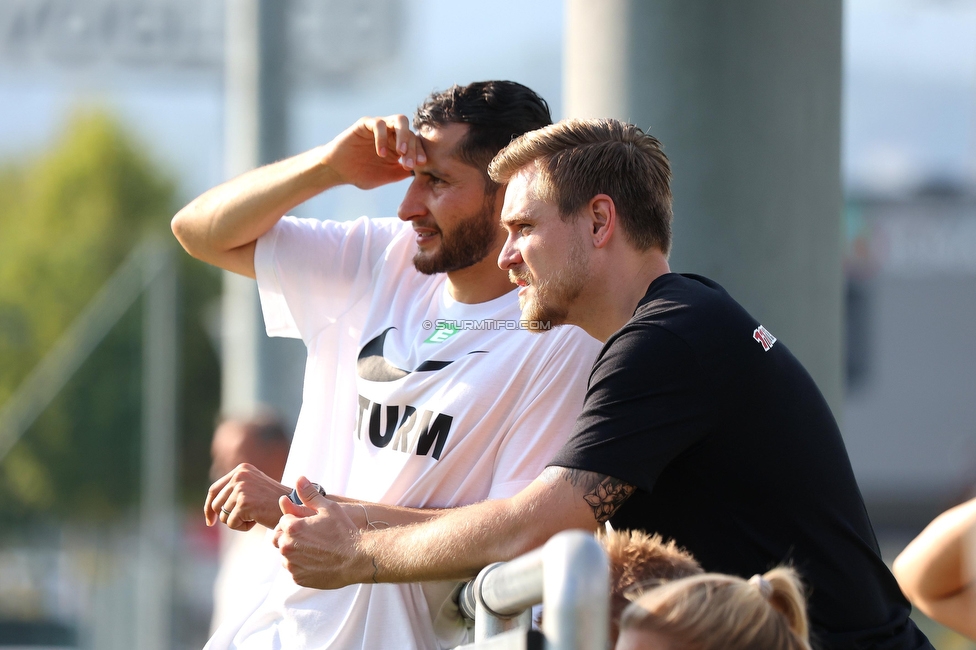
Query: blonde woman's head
[714, 611]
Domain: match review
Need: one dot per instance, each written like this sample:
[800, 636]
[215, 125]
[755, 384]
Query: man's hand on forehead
[374, 151]
[392, 135]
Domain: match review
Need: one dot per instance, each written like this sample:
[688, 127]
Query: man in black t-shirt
[733, 453]
[698, 424]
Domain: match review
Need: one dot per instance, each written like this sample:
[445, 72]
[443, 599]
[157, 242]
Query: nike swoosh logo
[373, 366]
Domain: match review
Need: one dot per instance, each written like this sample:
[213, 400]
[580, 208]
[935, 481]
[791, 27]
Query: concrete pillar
[257, 372]
[160, 412]
[745, 97]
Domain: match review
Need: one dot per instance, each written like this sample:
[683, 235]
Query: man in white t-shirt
[423, 388]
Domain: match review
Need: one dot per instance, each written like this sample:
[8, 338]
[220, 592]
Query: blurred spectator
[937, 571]
[719, 612]
[263, 443]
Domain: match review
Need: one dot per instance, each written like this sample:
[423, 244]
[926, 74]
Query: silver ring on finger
[225, 511]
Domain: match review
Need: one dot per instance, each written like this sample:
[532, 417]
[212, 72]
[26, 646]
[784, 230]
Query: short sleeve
[644, 406]
[310, 272]
[547, 412]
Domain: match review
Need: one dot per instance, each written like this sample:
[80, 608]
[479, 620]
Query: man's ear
[603, 219]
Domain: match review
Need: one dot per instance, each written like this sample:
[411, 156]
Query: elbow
[183, 230]
[900, 569]
[913, 573]
[178, 225]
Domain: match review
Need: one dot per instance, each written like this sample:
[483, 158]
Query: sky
[178, 114]
[909, 100]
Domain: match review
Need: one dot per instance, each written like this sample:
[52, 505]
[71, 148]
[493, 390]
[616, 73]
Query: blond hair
[579, 159]
[720, 612]
[640, 561]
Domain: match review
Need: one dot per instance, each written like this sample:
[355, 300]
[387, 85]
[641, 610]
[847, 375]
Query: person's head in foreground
[586, 199]
[638, 562]
[452, 203]
[719, 612]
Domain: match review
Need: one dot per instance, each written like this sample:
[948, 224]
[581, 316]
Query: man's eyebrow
[518, 217]
[430, 170]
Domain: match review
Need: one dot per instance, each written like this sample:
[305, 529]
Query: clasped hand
[243, 497]
[318, 542]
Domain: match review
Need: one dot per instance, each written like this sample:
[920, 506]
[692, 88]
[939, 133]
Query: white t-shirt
[234, 578]
[411, 398]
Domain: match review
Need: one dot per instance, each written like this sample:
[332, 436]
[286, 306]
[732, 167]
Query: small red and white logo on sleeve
[764, 337]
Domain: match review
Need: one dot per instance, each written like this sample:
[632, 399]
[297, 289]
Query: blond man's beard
[551, 299]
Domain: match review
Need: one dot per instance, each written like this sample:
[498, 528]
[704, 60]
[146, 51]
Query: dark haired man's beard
[467, 243]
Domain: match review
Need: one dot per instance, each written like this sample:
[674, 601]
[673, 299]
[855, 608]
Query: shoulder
[642, 353]
[693, 309]
[566, 345]
[363, 227]
[667, 335]
[667, 319]
[672, 300]
[363, 244]
[566, 337]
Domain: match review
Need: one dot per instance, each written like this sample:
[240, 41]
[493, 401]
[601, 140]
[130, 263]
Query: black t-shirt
[736, 456]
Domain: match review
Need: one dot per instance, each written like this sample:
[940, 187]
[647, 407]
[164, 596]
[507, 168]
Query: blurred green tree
[67, 220]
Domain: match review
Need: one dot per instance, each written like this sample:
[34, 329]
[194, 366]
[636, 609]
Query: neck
[479, 282]
[614, 293]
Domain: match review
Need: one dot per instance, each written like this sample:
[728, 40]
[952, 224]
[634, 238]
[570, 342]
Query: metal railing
[569, 575]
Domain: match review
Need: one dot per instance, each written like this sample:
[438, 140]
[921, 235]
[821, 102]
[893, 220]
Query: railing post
[570, 575]
[575, 592]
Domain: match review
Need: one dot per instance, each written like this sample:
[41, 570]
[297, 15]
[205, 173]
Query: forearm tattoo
[604, 494]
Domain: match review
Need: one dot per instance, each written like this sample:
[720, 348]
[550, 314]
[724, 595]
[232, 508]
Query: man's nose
[510, 256]
[413, 205]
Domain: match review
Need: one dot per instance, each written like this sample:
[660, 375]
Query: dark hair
[496, 112]
[578, 159]
[269, 429]
[266, 427]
